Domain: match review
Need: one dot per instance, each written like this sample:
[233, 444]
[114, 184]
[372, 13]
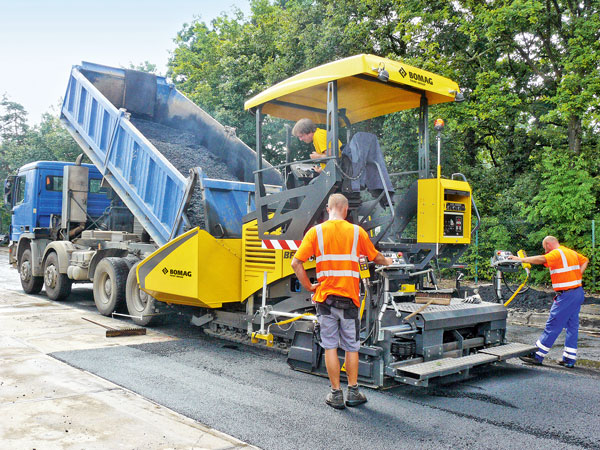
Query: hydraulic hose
[518, 289]
[293, 319]
[362, 303]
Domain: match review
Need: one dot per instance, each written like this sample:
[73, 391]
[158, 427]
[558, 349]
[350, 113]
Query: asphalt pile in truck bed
[184, 151]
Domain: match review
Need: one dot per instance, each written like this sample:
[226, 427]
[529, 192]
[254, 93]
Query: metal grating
[446, 365]
[509, 350]
[455, 305]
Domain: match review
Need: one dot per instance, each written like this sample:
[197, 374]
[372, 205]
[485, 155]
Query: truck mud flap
[420, 374]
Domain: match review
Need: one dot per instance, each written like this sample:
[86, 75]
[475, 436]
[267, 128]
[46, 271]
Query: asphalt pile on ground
[530, 300]
[184, 151]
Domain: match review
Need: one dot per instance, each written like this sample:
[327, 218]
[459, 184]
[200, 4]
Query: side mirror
[9, 185]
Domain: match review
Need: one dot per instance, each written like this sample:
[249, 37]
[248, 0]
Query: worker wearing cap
[337, 245]
[307, 132]
[566, 272]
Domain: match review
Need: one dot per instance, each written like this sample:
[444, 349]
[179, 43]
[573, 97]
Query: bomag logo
[416, 77]
[420, 79]
[177, 273]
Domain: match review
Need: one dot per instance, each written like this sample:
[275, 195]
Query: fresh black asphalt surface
[252, 394]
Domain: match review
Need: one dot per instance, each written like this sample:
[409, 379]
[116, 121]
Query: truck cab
[34, 196]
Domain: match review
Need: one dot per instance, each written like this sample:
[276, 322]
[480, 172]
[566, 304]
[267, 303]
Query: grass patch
[588, 363]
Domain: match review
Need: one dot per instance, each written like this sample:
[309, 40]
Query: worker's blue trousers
[563, 314]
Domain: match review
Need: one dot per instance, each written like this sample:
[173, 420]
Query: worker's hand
[318, 169]
[383, 260]
[315, 155]
[514, 258]
[313, 287]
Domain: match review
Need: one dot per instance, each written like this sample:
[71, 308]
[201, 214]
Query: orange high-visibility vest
[336, 245]
[565, 268]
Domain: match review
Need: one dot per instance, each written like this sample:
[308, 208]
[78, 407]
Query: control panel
[363, 264]
[398, 261]
[453, 225]
[444, 211]
[451, 206]
[500, 258]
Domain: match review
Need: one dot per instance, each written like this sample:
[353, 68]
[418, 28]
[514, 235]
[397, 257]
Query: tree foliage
[21, 144]
[526, 136]
[145, 66]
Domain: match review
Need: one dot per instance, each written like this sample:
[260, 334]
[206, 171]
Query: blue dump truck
[161, 166]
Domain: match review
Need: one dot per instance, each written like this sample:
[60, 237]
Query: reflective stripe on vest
[351, 257]
[560, 276]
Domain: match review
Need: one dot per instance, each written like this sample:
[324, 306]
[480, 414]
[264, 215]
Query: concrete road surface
[46, 404]
[252, 395]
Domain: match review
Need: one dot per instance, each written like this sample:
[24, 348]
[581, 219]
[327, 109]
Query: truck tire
[30, 284]
[109, 285]
[58, 285]
[139, 303]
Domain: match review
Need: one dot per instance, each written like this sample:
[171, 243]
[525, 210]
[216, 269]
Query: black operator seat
[363, 151]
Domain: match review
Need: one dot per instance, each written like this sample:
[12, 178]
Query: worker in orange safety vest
[337, 245]
[566, 272]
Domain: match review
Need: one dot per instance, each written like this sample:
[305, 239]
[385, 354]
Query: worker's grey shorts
[339, 327]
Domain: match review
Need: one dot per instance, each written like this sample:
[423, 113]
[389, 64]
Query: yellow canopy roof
[360, 93]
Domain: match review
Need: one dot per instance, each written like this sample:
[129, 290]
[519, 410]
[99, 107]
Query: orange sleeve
[551, 257]
[366, 247]
[582, 259]
[307, 247]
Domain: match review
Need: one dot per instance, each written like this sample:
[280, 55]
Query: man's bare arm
[583, 266]
[300, 272]
[382, 260]
[538, 259]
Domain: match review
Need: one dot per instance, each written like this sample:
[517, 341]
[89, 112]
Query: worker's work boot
[335, 399]
[566, 364]
[530, 360]
[355, 397]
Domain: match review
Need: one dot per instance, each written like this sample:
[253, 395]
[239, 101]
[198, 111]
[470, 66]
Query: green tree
[13, 121]
[22, 144]
[528, 68]
[13, 131]
[564, 202]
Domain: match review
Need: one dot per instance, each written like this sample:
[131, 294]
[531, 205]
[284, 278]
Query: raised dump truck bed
[101, 109]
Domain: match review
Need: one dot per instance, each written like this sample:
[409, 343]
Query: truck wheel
[30, 284]
[139, 303]
[109, 285]
[58, 285]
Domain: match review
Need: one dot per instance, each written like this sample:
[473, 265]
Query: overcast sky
[41, 39]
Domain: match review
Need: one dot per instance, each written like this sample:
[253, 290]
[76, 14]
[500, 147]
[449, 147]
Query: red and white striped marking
[285, 244]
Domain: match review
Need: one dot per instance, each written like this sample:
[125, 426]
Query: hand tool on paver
[428, 299]
[421, 309]
[117, 332]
